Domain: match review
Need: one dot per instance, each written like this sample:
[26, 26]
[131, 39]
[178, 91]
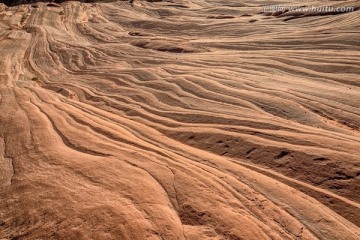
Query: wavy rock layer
[199, 119]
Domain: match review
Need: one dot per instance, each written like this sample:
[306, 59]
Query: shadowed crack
[7, 165]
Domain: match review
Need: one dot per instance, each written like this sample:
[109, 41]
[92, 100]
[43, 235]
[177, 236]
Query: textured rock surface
[199, 119]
